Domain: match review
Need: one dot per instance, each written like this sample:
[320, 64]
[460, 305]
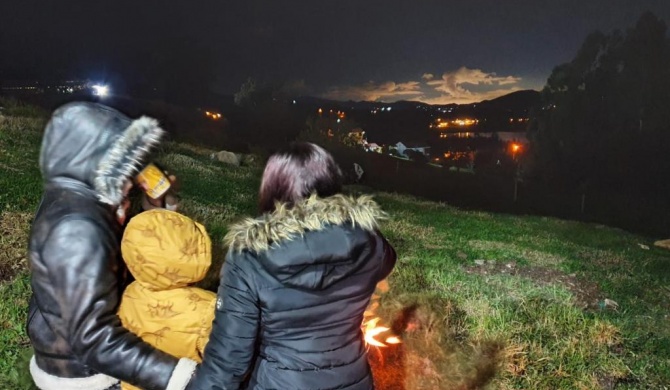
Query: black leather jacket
[88, 151]
[293, 291]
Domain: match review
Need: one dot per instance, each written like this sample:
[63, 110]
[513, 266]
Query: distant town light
[459, 122]
[213, 115]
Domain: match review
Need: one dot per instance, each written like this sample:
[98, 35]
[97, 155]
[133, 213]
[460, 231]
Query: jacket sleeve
[206, 330]
[230, 352]
[81, 260]
[388, 258]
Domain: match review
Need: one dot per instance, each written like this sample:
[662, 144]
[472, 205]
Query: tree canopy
[605, 117]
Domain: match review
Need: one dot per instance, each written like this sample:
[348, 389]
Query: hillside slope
[480, 300]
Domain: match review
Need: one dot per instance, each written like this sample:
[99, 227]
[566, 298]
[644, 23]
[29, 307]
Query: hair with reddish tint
[294, 173]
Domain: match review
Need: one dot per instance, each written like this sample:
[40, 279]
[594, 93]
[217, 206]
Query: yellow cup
[153, 181]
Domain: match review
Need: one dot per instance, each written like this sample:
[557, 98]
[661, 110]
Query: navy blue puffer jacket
[293, 291]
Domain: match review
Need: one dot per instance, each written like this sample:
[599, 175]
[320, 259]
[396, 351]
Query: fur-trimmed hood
[315, 243]
[96, 145]
[313, 213]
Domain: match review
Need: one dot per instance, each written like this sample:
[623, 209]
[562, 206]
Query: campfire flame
[371, 329]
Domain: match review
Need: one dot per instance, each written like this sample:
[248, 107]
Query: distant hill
[405, 120]
[515, 101]
[408, 120]
[388, 123]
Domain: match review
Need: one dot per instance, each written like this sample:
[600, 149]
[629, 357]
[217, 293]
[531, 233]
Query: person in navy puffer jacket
[296, 282]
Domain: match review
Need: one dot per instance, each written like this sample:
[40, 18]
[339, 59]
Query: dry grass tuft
[180, 162]
[513, 250]
[605, 334]
[415, 201]
[605, 259]
[214, 214]
[402, 228]
[14, 230]
[515, 357]
[21, 124]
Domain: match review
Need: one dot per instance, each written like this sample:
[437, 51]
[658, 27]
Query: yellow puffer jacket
[166, 251]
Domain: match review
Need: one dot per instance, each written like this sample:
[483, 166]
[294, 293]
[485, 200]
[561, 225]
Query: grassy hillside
[481, 300]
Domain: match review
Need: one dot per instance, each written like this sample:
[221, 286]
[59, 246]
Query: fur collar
[313, 213]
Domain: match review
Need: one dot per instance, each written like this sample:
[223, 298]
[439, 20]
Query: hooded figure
[166, 251]
[89, 154]
[296, 283]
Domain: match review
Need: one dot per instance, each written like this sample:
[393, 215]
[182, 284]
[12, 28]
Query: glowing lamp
[100, 90]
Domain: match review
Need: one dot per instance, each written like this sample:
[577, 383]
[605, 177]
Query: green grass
[16, 108]
[518, 323]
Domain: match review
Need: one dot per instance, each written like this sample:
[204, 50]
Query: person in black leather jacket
[296, 282]
[89, 155]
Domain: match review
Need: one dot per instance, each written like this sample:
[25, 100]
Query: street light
[515, 148]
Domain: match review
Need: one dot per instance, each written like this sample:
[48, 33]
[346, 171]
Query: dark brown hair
[295, 173]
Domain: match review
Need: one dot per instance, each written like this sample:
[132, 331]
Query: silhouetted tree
[255, 95]
[605, 116]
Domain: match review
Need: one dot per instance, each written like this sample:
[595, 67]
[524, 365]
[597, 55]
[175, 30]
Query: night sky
[433, 51]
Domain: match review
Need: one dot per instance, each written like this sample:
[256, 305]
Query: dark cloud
[331, 45]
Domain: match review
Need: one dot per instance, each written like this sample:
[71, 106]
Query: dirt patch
[612, 382]
[14, 229]
[587, 294]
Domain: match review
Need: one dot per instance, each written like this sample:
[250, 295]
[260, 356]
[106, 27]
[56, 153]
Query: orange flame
[371, 331]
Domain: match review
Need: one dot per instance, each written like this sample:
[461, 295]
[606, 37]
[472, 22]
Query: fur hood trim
[124, 158]
[313, 213]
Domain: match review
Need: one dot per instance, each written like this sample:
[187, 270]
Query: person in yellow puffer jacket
[166, 251]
